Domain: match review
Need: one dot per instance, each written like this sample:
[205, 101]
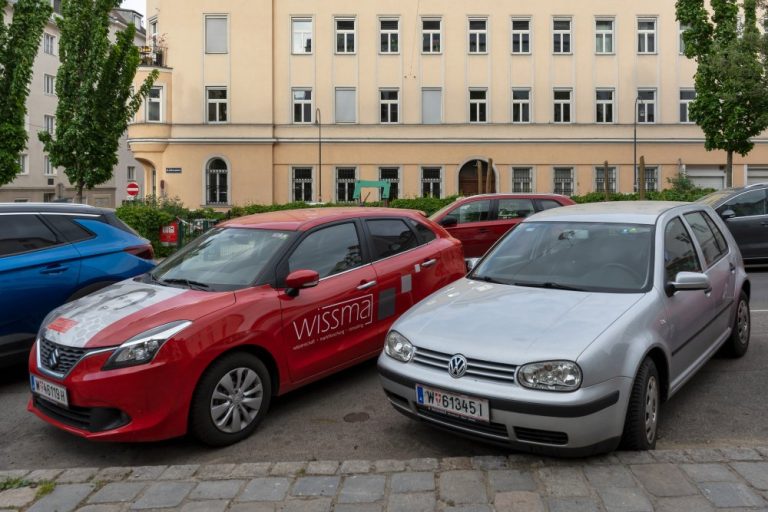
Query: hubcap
[742, 322]
[236, 400]
[651, 409]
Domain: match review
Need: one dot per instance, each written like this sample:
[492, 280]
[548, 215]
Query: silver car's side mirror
[728, 214]
[471, 263]
[687, 281]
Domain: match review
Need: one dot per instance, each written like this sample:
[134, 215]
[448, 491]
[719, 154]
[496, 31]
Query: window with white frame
[49, 44]
[389, 106]
[346, 105]
[431, 182]
[217, 182]
[345, 35]
[651, 178]
[301, 184]
[563, 180]
[392, 176]
[431, 106]
[154, 105]
[521, 35]
[216, 34]
[681, 42]
[216, 98]
[48, 169]
[522, 180]
[646, 35]
[302, 106]
[131, 174]
[478, 106]
[49, 124]
[430, 35]
[521, 105]
[646, 106]
[478, 35]
[686, 97]
[561, 35]
[23, 164]
[600, 179]
[49, 85]
[562, 101]
[301, 33]
[604, 106]
[389, 32]
[345, 184]
[604, 35]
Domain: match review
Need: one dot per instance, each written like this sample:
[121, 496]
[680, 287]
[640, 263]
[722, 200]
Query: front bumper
[587, 421]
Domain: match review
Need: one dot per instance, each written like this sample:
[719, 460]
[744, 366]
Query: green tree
[19, 42]
[731, 104]
[95, 90]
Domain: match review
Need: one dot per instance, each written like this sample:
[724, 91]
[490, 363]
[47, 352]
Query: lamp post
[634, 145]
[319, 123]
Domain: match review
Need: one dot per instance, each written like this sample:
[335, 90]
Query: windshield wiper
[196, 285]
[551, 285]
[486, 279]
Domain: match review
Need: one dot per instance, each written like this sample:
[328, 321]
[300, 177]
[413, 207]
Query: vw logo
[53, 359]
[457, 366]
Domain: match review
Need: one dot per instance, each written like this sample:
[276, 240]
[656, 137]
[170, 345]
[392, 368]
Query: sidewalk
[697, 480]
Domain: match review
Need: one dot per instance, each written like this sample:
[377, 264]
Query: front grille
[541, 436]
[484, 370]
[92, 419]
[492, 430]
[67, 358]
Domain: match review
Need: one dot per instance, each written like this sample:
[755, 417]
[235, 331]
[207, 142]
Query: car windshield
[222, 259]
[715, 197]
[578, 256]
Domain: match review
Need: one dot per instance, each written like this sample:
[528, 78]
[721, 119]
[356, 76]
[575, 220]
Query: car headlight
[398, 347]
[141, 349]
[550, 376]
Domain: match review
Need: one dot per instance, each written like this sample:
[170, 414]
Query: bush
[669, 194]
[147, 218]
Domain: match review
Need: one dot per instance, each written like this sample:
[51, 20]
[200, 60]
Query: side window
[679, 252]
[426, 234]
[328, 251]
[390, 237]
[515, 208]
[706, 238]
[476, 211]
[719, 238]
[69, 228]
[548, 204]
[24, 233]
[747, 204]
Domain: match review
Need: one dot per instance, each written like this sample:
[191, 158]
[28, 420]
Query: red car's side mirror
[299, 280]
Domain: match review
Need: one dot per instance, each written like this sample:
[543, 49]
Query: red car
[478, 221]
[255, 308]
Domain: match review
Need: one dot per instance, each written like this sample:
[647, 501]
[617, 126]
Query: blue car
[54, 253]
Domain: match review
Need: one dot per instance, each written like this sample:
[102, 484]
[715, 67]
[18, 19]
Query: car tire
[230, 400]
[738, 342]
[642, 421]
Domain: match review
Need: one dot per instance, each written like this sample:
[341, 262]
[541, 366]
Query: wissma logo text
[334, 318]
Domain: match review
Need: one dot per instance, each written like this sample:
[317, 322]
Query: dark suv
[745, 212]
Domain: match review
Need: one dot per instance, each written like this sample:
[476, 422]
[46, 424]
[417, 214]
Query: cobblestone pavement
[696, 480]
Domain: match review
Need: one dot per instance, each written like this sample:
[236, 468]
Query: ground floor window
[302, 184]
[522, 179]
[563, 181]
[345, 184]
[600, 179]
[217, 182]
[431, 182]
[391, 175]
[651, 178]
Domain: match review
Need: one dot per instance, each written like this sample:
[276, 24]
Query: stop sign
[132, 189]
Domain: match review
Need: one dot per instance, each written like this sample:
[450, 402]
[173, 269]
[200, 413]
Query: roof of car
[497, 195]
[307, 218]
[631, 212]
[70, 208]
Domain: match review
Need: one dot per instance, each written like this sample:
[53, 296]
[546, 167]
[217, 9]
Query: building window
[23, 167]
[431, 106]
[561, 34]
[217, 182]
[521, 36]
[646, 106]
[562, 105]
[49, 44]
[390, 36]
[131, 173]
[651, 178]
[646, 35]
[564, 181]
[217, 104]
[681, 42]
[49, 196]
[431, 182]
[392, 176]
[345, 35]
[604, 36]
[600, 179]
[346, 105]
[604, 106]
[48, 169]
[478, 36]
[430, 35]
[154, 105]
[521, 105]
[302, 184]
[389, 106]
[345, 184]
[49, 85]
[215, 34]
[522, 180]
[49, 124]
[478, 106]
[301, 29]
[302, 106]
[686, 97]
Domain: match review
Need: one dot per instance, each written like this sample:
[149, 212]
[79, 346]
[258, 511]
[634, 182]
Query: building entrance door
[470, 185]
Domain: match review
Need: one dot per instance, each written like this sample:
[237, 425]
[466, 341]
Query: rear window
[113, 220]
[426, 234]
[709, 243]
[391, 237]
[69, 227]
[24, 233]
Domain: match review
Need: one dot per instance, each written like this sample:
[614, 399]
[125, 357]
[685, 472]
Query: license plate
[452, 403]
[52, 392]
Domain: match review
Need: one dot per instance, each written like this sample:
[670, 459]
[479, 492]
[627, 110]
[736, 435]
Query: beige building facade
[273, 101]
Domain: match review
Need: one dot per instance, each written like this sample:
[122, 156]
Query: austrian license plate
[49, 390]
[452, 403]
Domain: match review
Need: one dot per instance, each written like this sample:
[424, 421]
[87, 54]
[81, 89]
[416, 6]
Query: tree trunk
[79, 194]
[729, 170]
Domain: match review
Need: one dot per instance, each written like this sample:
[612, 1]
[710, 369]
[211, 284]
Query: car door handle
[365, 286]
[483, 230]
[732, 267]
[429, 263]
[54, 269]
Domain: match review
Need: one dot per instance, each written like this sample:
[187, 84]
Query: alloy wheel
[742, 322]
[651, 409]
[236, 400]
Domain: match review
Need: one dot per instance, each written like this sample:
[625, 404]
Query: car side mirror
[688, 281]
[728, 214]
[300, 280]
[471, 263]
[449, 222]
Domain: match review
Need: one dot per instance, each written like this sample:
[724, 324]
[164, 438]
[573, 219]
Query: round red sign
[132, 189]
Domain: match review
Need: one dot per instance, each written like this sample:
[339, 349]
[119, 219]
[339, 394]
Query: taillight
[144, 252]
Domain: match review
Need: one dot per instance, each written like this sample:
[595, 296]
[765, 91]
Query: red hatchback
[478, 221]
[255, 308]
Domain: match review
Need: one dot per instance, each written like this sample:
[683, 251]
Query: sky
[136, 5]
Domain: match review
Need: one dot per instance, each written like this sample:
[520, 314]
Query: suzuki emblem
[53, 359]
[457, 366]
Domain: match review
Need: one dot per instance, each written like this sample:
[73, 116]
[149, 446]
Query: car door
[473, 225]
[329, 326]
[749, 223]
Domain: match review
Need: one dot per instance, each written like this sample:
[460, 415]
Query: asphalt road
[347, 417]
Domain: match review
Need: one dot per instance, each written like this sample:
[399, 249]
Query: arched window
[217, 182]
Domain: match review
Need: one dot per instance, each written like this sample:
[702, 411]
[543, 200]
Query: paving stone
[362, 489]
[64, 498]
[574, 505]
[288, 468]
[762, 450]
[709, 472]
[469, 508]
[215, 471]
[355, 467]
[43, 475]
[322, 467]
[163, 495]
[518, 501]
[316, 486]
[217, 490]
[122, 492]
[389, 466]
[206, 506]
[252, 507]
[674, 456]
[663, 480]
[726, 494]
[179, 472]
[487, 462]
[76, 475]
[147, 472]
[563, 481]
[625, 500]
[424, 464]
[113, 474]
[609, 476]
[102, 508]
[635, 457]
[462, 487]
[265, 489]
[17, 498]
[606, 458]
[412, 481]
[414, 502]
[454, 463]
[358, 507]
[683, 504]
[504, 480]
[756, 473]
[740, 454]
[12, 474]
[250, 470]
[706, 455]
[313, 505]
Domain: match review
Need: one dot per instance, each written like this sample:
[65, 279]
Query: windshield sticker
[280, 236]
[332, 321]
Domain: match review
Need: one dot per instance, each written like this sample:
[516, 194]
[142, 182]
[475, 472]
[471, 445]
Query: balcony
[153, 56]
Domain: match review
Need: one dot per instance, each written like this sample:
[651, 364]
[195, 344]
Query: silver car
[573, 328]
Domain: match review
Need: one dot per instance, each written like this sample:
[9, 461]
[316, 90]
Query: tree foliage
[96, 98]
[19, 42]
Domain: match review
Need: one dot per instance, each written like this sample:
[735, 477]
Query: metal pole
[319, 122]
[634, 154]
